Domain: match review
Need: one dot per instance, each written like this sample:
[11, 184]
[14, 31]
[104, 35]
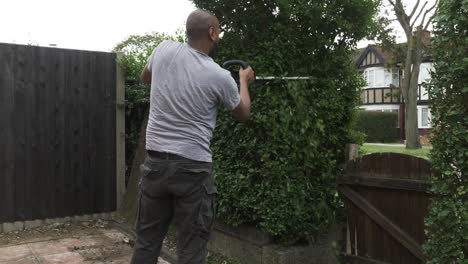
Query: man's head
[203, 31]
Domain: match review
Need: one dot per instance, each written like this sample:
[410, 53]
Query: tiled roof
[385, 55]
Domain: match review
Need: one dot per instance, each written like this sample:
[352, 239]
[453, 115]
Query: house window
[425, 117]
[378, 77]
[425, 72]
[387, 77]
[395, 78]
[423, 95]
[369, 76]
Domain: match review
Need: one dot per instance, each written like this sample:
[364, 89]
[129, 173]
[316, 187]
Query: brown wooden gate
[386, 203]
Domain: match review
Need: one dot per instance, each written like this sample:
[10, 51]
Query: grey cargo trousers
[179, 188]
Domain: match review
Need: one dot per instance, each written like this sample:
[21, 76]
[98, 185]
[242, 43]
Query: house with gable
[382, 90]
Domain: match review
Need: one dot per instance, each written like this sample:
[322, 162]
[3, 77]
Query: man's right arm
[242, 111]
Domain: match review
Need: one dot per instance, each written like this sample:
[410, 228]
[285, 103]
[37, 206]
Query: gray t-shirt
[186, 89]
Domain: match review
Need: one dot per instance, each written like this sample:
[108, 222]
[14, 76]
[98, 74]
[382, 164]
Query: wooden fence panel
[57, 132]
[386, 202]
[7, 135]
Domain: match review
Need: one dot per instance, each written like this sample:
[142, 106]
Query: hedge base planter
[248, 245]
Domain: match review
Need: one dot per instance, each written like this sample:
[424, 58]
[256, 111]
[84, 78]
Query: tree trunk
[128, 209]
[409, 83]
[410, 89]
[411, 132]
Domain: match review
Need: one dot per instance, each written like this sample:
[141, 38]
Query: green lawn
[367, 149]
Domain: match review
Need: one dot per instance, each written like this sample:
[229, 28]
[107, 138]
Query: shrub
[447, 223]
[278, 170]
[378, 126]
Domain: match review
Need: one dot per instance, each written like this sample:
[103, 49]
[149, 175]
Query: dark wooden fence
[386, 202]
[57, 132]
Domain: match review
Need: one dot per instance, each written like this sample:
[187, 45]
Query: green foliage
[378, 126]
[135, 50]
[447, 223]
[278, 170]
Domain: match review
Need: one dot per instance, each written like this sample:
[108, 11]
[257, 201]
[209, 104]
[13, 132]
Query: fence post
[120, 130]
[351, 152]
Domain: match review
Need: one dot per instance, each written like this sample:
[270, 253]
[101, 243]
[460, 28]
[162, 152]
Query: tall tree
[414, 31]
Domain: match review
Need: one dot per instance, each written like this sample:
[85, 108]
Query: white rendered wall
[381, 107]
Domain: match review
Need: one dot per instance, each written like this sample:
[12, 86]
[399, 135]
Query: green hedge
[378, 126]
[278, 171]
[447, 223]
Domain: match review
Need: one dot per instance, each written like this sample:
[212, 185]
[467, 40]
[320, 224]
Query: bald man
[187, 87]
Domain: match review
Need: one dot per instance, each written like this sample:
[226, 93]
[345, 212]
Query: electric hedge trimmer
[230, 63]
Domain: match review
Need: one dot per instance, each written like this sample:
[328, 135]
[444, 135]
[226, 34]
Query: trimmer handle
[230, 63]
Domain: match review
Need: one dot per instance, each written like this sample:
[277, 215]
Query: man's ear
[212, 33]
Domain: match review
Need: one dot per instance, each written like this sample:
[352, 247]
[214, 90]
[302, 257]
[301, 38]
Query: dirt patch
[103, 252]
[54, 231]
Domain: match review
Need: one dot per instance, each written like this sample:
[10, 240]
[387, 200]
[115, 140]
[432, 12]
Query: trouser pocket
[206, 213]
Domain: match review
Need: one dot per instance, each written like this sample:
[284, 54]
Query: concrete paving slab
[64, 258]
[101, 246]
[60, 246]
[14, 253]
[27, 260]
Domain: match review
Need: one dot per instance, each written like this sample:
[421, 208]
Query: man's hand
[242, 111]
[248, 75]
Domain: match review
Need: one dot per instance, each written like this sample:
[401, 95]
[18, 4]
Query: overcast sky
[94, 24]
[88, 24]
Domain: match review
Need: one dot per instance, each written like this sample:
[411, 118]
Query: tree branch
[429, 10]
[432, 17]
[414, 9]
[397, 6]
[420, 12]
[400, 6]
[401, 16]
[392, 3]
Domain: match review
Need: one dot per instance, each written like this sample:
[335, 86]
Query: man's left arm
[145, 76]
